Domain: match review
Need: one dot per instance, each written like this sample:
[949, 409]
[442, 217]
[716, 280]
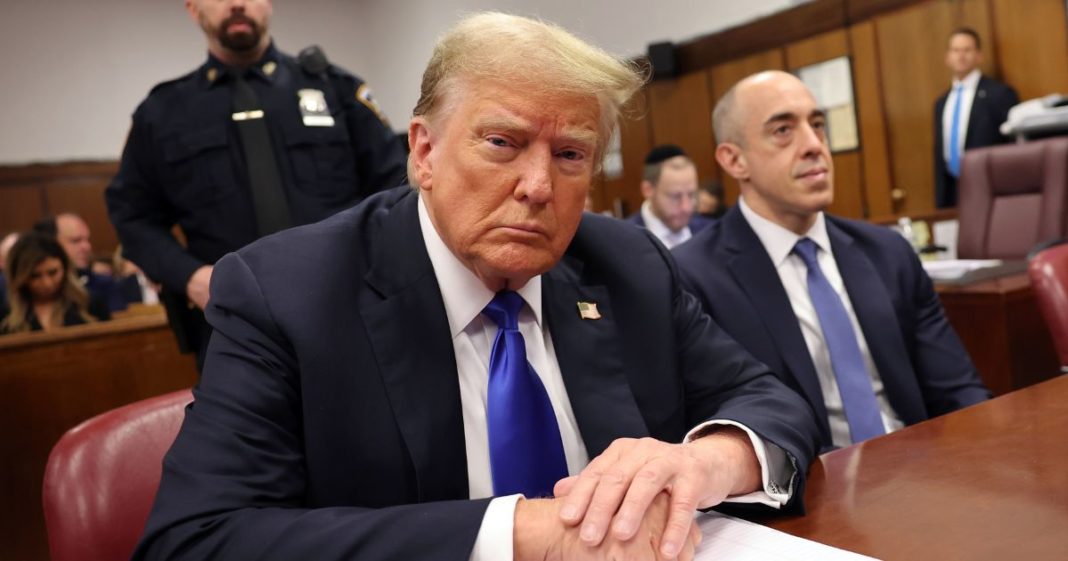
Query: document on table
[956, 268]
[731, 539]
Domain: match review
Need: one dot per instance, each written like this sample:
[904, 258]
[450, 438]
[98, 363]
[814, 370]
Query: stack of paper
[956, 268]
[732, 539]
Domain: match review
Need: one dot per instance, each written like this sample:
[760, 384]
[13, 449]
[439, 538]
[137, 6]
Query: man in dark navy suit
[969, 115]
[669, 185]
[470, 342]
[841, 310]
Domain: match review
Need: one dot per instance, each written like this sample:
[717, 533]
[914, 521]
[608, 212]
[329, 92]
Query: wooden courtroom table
[1001, 327]
[989, 482]
[50, 382]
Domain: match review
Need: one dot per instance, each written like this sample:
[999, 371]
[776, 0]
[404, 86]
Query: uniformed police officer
[252, 142]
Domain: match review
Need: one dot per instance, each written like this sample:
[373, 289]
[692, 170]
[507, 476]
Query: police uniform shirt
[183, 163]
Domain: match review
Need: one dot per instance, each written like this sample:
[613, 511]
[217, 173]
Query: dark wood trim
[61, 172]
[770, 32]
[860, 10]
[936, 215]
[788, 26]
[84, 332]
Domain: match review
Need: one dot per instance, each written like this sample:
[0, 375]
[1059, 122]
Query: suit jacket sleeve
[723, 381]
[947, 377]
[234, 482]
[939, 159]
[1007, 100]
[381, 161]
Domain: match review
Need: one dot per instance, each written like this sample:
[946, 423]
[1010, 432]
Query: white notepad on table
[731, 539]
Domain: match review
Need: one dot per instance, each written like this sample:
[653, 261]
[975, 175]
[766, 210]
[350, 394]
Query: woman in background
[42, 292]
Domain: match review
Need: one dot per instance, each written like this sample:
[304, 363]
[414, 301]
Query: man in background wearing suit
[968, 115]
[471, 341]
[669, 185]
[840, 309]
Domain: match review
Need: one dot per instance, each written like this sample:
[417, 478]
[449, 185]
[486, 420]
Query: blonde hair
[536, 56]
[29, 251]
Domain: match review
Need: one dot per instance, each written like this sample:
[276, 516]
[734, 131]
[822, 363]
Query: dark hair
[47, 226]
[29, 251]
[970, 33]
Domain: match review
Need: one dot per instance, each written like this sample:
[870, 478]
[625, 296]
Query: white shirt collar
[661, 230]
[464, 294]
[971, 81]
[779, 241]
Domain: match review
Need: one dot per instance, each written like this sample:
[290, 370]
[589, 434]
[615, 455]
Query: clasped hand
[638, 498]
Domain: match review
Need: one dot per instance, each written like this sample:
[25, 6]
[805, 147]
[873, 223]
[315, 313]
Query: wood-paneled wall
[897, 50]
[30, 193]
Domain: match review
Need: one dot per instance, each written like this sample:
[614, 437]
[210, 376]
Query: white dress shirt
[971, 84]
[779, 243]
[465, 297]
[661, 231]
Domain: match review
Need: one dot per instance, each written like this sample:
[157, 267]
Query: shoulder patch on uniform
[364, 96]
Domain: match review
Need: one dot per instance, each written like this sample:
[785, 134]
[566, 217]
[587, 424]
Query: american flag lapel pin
[588, 310]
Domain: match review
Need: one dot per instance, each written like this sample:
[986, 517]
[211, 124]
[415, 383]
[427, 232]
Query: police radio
[314, 108]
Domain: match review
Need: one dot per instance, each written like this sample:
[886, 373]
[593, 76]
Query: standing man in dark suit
[389, 383]
[967, 116]
[250, 143]
[669, 185]
[840, 309]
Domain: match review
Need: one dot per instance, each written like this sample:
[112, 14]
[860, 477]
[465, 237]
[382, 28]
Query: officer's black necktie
[265, 182]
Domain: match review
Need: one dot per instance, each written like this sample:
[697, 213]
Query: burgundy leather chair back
[1012, 197]
[102, 476]
[1049, 279]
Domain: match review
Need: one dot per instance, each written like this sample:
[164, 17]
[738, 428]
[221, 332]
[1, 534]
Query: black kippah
[663, 152]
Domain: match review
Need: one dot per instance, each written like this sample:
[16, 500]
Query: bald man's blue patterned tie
[526, 453]
[854, 385]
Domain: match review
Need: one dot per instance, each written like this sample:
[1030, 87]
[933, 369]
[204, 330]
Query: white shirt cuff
[494, 541]
[776, 493]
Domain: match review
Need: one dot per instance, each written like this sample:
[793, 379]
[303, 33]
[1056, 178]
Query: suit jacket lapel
[409, 331]
[589, 354]
[875, 312]
[978, 113]
[756, 275]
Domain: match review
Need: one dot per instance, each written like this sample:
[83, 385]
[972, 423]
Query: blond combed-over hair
[540, 57]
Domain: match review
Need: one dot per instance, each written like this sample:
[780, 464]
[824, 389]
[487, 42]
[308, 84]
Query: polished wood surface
[50, 382]
[1002, 329]
[987, 483]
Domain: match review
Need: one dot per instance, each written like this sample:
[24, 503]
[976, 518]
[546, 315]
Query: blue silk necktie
[954, 133]
[526, 453]
[858, 397]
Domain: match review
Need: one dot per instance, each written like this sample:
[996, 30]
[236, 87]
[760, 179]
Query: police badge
[313, 108]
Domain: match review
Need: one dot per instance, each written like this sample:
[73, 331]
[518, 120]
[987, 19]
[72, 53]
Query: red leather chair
[1049, 279]
[102, 477]
[1012, 197]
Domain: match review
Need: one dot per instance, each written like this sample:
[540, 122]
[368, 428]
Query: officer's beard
[239, 42]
